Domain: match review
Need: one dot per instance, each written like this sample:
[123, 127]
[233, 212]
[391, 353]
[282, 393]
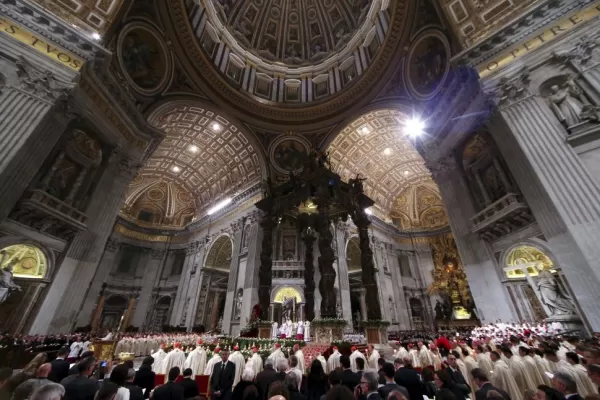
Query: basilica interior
[424, 164]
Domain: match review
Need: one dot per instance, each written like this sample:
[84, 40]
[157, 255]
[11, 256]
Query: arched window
[527, 260]
[26, 261]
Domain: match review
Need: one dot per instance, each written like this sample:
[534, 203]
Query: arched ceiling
[376, 147]
[204, 155]
[91, 16]
[419, 207]
[293, 32]
[220, 253]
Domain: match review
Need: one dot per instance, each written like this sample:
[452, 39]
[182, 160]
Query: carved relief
[568, 101]
[41, 83]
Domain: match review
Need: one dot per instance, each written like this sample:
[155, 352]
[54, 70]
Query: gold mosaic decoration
[27, 261]
[287, 292]
[527, 258]
[89, 15]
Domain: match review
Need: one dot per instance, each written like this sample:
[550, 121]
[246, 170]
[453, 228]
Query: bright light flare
[368, 211]
[415, 127]
[220, 205]
[96, 36]
[176, 169]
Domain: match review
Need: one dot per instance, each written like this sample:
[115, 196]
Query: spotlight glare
[193, 148]
[387, 151]
[219, 206]
[368, 211]
[216, 127]
[414, 127]
[96, 36]
[176, 169]
[406, 172]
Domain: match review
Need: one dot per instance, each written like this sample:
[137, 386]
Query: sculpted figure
[6, 280]
[552, 295]
[566, 103]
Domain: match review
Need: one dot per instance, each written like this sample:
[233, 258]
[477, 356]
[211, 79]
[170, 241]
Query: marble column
[58, 312]
[426, 268]
[197, 280]
[399, 297]
[343, 278]
[254, 241]
[237, 229]
[107, 263]
[98, 311]
[309, 275]
[481, 270]
[33, 116]
[560, 191]
[149, 281]
[380, 274]
[183, 297]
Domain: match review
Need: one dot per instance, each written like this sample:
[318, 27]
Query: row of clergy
[197, 360]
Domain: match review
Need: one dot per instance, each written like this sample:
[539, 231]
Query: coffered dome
[293, 32]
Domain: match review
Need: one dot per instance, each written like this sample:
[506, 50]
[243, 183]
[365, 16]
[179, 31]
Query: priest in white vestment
[356, 354]
[470, 365]
[522, 374]
[196, 360]
[424, 358]
[334, 360]
[307, 331]
[301, 362]
[175, 358]
[255, 363]
[413, 354]
[543, 367]
[215, 359]
[402, 353]
[159, 360]
[531, 366]
[300, 331]
[274, 330]
[373, 358]
[237, 358]
[276, 355]
[503, 378]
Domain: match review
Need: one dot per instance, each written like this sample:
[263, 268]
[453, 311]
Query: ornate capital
[237, 225]
[157, 254]
[510, 90]
[579, 54]
[41, 83]
[442, 166]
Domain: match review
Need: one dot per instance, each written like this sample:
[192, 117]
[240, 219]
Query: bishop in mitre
[215, 359]
[276, 355]
[196, 360]
[300, 355]
[503, 378]
[237, 358]
[373, 357]
[355, 355]
[175, 358]
[159, 360]
[255, 363]
[334, 360]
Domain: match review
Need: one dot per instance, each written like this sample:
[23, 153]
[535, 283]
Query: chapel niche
[488, 178]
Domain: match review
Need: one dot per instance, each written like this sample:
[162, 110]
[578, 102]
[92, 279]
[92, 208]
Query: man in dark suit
[190, 386]
[483, 383]
[368, 387]
[566, 385]
[456, 375]
[145, 377]
[265, 378]
[390, 385]
[135, 392]
[221, 380]
[170, 390]
[349, 378]
[407, 377]
[59, 367]
[81, 386]
[360, 366]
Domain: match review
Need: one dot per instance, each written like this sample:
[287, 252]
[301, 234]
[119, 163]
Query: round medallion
[144, 58]
[288, 154]
[28, 263]
[428, 64]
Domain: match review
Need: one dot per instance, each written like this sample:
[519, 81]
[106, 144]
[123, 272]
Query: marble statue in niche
[568, 102]
[553, 296]
[63, 178]
[237, 310]
[7, 283]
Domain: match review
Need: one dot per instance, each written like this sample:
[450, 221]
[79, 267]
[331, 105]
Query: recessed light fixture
[406, 172]
[387, 151]
[96, 36]
[193, 148]
[216, 127]
[176, 169]
[364, 130]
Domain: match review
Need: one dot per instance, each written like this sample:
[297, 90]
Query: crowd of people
[497, 362]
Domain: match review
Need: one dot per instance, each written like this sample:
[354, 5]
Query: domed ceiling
[203, 159]
[376, 147]
[293, 32]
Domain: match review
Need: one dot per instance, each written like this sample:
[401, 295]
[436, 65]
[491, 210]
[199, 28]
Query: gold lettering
[492, 66]
[50, 49]
[514, 53]
[575, 19]
[541, 37]
[63, 57]
[34, 41]
[556, 29]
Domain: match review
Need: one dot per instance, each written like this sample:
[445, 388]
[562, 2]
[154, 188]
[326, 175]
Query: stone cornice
[519, 30]
[46, 24]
